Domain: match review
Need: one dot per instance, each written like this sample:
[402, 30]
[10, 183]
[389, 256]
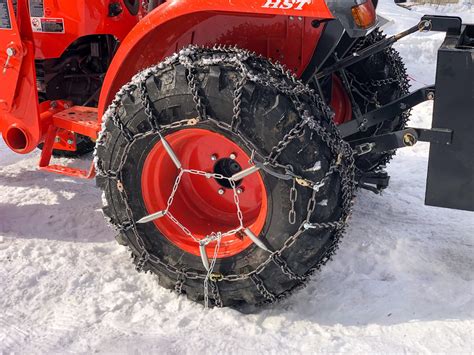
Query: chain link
[148, 106]
[293, 198]
[269, 296]
[178, 287]
[216, 294]
[285, 269]
[369, 91]
[279, 79]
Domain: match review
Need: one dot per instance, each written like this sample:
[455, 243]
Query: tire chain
[344, 165]
[399, 77]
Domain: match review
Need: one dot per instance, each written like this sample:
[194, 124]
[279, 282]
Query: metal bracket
[449, 24]
[395, 108]
[374, 181]
[400, 139]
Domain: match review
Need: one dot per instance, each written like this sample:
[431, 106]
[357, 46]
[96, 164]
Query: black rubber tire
[263, 113]
[383, 65]
[84, 145]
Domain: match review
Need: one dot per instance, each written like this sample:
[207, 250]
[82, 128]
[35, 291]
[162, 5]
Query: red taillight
[364, 14]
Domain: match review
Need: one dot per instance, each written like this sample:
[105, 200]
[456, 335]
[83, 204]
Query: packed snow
[402, 280]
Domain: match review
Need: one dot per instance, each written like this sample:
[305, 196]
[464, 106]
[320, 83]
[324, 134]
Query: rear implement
[451, 168]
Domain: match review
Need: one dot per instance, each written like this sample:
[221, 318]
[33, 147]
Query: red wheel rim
[340, 102]
[197, 204]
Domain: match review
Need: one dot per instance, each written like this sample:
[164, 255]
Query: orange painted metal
[19, 110]
[68, 171]
[23, 122]
[46, 155]
[340, 102]
[81, 18]
[201, 204]
[278, 29]
[65, 140]
[66, 122]
[275, 31]
[78, 119]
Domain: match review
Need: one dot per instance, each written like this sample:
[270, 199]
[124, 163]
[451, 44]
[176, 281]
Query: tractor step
[77, 119]
[68, 171]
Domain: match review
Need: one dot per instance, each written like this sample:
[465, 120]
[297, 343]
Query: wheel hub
[227, 167]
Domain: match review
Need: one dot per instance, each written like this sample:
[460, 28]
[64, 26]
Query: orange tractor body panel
[75, 19]
[281, 30]
[282, 34]
[23, 122]
[20, 120]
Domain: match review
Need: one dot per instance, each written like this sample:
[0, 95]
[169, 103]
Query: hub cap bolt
[213, 157]
[239, 190]
[233, 156]
[70, 141]
[220, 191]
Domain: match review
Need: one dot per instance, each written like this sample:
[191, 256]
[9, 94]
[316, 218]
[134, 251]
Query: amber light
[364, 14]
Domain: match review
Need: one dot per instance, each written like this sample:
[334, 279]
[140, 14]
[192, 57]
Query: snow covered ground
[401, 283]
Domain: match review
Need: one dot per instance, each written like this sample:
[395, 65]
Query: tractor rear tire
[133, 166]
[384, 75]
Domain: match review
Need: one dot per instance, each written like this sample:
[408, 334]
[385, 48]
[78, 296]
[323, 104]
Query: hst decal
[286, 4]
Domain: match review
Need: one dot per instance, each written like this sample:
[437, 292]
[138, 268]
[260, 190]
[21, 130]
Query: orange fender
[278, 29]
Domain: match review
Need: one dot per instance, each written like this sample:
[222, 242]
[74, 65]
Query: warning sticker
[37, 8]
[47, 25]
[5, 19]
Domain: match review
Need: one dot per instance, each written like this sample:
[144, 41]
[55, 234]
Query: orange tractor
[229, 137]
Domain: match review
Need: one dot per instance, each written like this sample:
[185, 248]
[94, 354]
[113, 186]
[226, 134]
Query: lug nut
[430, 96]
[70, 141]
[221, 191]
[214, 157]
[233, 156]
[240, 190]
